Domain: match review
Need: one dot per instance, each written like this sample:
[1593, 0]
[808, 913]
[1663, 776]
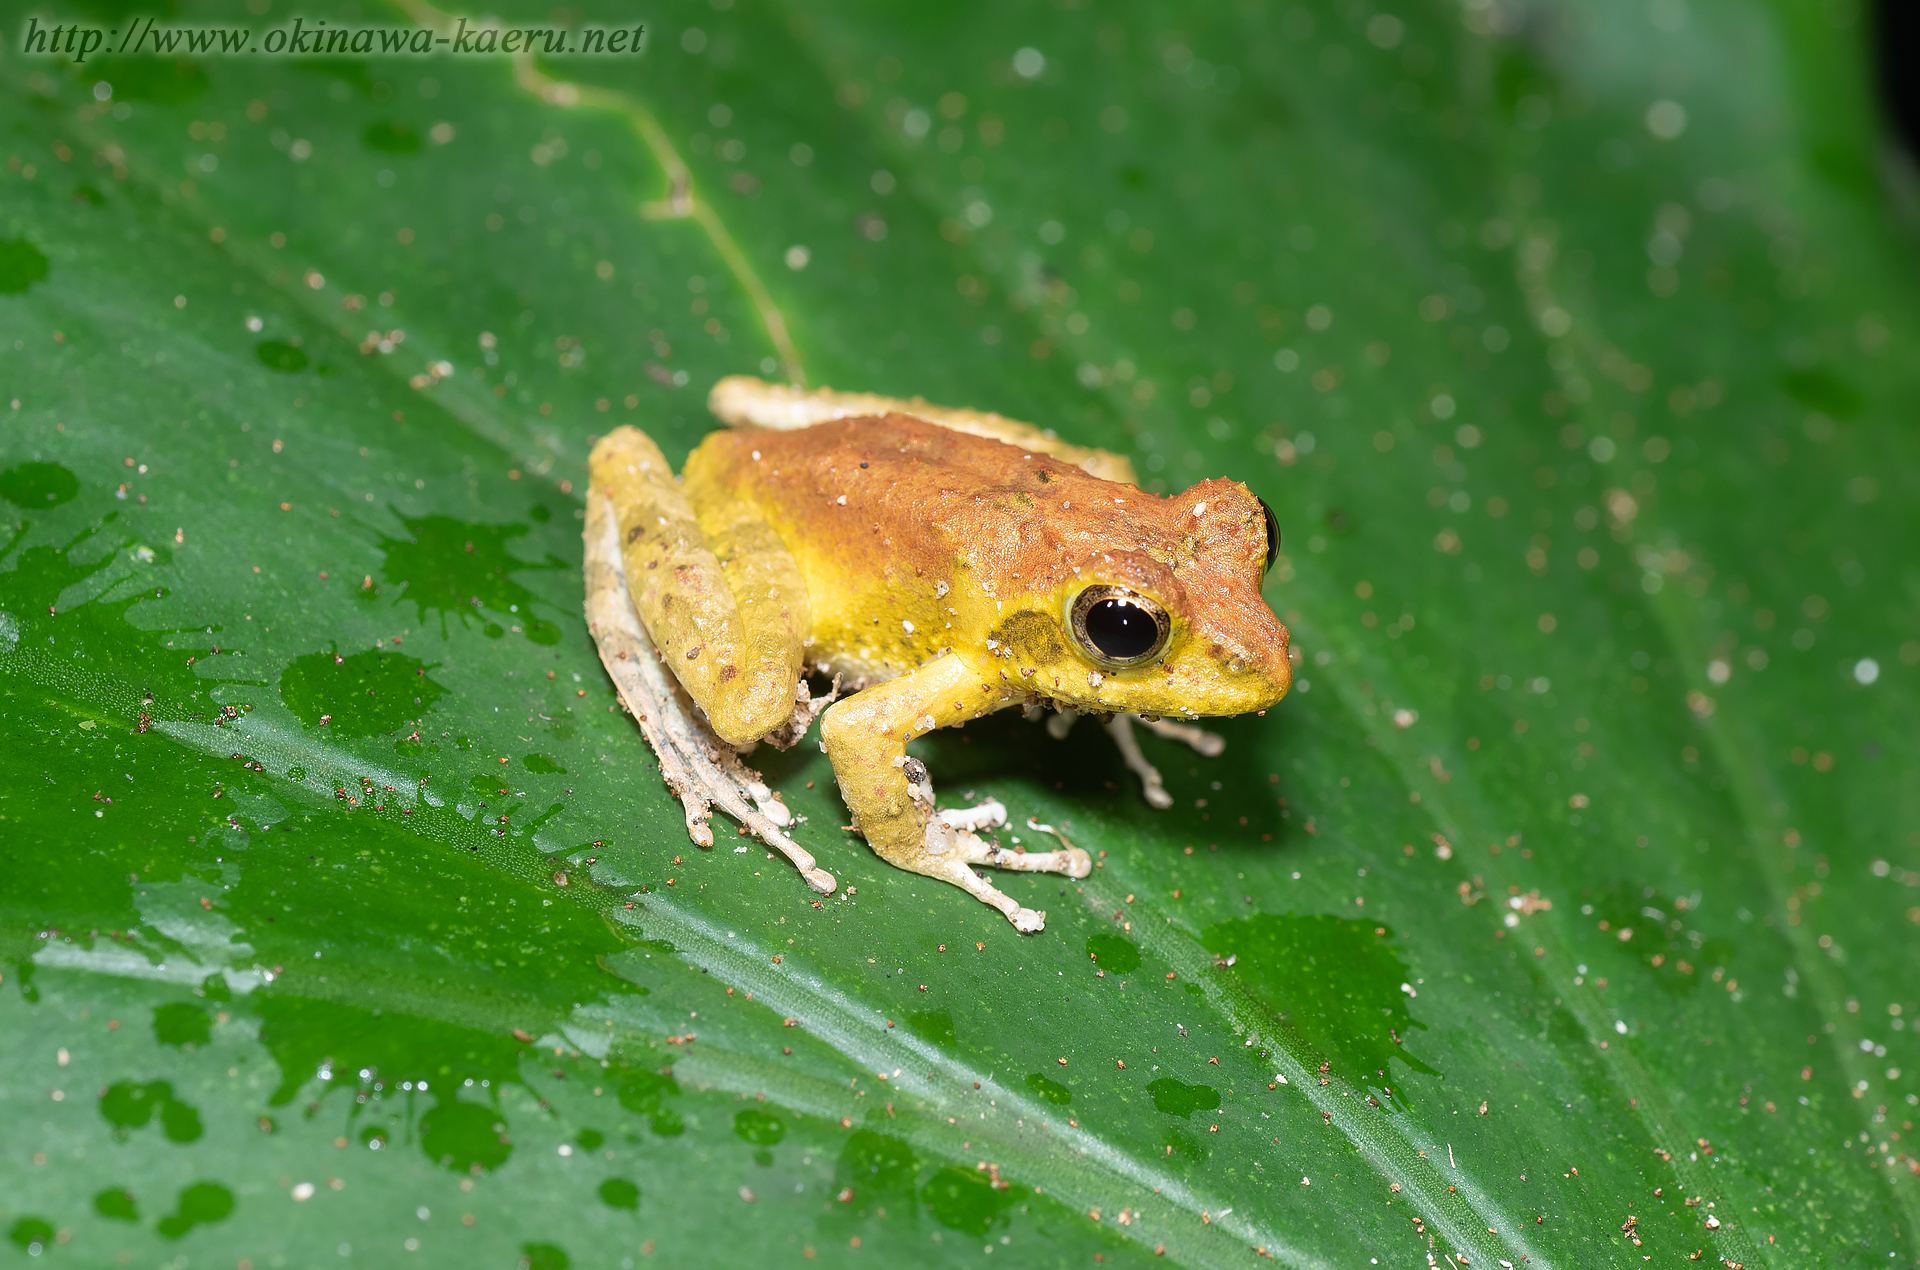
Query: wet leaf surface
[345, 910]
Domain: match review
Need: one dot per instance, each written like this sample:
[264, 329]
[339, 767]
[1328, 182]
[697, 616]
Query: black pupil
[1273, 533]
[1121, 630]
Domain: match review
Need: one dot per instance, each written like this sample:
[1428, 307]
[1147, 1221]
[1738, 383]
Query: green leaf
[391, 135]
[21, 265]
[203, 1203]
[281, 356]
[1562, 915]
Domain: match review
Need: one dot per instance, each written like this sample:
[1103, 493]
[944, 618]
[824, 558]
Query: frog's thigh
[737, 662]
[866, 738]
[760, 571]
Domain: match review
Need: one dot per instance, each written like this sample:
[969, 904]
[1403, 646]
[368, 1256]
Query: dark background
[1899, 40]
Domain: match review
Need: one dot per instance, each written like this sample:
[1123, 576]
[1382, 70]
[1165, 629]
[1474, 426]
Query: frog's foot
[731, 760]
[1079, 863]
[950, 853]
[700, 769]
[949, 845]
[1120, 728]
[1069, 861]
[954, 869]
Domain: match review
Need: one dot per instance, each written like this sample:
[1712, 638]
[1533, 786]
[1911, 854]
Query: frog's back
[924, 493]
[905, 529]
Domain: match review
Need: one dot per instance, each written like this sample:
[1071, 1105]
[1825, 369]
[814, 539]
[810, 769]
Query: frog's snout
[1268, 661]
[1279, 660]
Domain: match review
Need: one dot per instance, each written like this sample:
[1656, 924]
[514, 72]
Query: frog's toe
[770, 807]
[1071, 861]
[955, 870]
[988, 815]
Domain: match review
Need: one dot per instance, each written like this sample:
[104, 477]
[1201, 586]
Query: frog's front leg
[891, 798]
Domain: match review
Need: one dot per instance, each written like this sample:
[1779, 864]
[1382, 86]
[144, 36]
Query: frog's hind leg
[698, 767]
[720, 595]
[741, 401]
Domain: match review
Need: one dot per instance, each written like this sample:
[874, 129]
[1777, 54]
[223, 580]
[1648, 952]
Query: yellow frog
[939, 564]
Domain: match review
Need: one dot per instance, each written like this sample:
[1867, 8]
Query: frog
[937, 564]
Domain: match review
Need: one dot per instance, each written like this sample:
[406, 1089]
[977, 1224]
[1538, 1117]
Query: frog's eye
[1273, 533]
[1119, 628]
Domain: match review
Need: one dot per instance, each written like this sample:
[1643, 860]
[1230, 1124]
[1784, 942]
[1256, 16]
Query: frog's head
[1163, 613]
